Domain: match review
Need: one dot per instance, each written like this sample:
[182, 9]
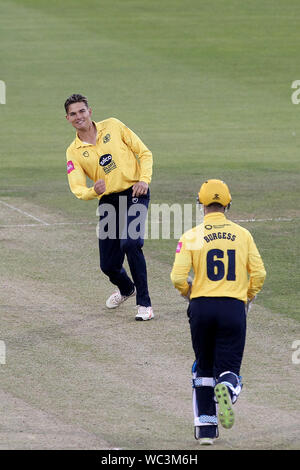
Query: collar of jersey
[79, 143]
[214, 215]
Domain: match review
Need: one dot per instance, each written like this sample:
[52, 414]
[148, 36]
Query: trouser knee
[108, 268]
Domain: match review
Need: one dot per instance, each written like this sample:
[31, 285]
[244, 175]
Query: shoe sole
[144, 319]
[112, 307]
[225, 411]
[116, 306]
[206, 441]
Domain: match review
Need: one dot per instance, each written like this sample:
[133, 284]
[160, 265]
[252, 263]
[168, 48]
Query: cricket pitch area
[80, 376]
[207, 86]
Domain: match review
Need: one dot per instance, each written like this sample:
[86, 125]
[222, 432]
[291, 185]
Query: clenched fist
[99, 186]
[139, 189]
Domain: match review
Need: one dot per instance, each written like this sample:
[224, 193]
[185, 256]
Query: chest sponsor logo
[85, 154]
[70, 166]
[105, 159]
[107, 163]
[106, 138]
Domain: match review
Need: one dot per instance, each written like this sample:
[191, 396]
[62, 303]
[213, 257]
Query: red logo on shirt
[178, 249]
[70, 166]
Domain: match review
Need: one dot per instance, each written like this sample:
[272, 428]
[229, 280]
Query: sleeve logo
[70, 166]
[179, 246]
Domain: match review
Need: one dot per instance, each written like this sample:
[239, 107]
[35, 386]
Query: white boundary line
[48, 224]
[24, 213]
[276, 219]
[42, 223]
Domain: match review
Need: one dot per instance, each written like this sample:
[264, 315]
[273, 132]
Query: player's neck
[89, 134]
[209, 210]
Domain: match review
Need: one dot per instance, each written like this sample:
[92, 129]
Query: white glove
[249, 305]
[187, 296]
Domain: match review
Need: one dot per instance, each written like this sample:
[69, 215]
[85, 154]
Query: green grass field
[207, 86]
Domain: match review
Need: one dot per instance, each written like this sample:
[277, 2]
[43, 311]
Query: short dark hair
[76, 98]
[215, 205]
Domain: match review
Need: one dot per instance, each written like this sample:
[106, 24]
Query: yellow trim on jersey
[224, 258]
[119, 157]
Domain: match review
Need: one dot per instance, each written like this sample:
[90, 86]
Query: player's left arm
[256, 270]
[144, 156]
[181, 268]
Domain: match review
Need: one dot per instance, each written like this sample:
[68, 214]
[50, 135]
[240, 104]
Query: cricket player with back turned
[120, 165]
[228, 274]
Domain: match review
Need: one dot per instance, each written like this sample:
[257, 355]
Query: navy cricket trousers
[218, 331]
[121, 232]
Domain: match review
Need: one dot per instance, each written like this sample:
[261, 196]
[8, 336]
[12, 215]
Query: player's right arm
[77, 180]
[181, 268]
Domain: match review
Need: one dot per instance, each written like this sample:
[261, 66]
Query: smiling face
[79, 115]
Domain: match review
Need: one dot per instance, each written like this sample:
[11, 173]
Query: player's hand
[187, 296]
[99, 186]
[249, 304]
[139, 189]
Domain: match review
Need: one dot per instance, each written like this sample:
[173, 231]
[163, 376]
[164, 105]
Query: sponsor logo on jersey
[86, 153]
[106, 138]
[105, 159]
[70, 166]
[107, 163]
[221, 226]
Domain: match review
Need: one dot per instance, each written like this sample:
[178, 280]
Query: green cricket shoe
[225, 411]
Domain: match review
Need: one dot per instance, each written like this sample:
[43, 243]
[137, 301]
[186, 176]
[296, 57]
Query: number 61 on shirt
[215, 267]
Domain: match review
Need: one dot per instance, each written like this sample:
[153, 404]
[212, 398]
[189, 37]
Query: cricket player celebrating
[120, 165]
[228, 274]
